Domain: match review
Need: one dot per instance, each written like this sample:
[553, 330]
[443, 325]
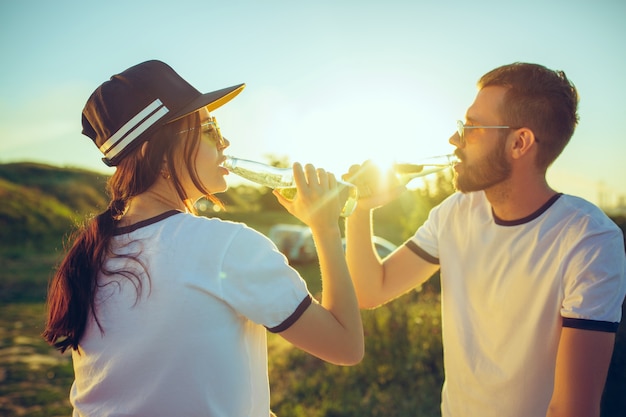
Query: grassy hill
[42, 202]
[40, 205]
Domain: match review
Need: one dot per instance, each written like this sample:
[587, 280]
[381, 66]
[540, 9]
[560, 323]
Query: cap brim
[211, 100]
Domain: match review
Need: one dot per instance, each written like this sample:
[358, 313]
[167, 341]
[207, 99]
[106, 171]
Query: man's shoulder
[578, 207]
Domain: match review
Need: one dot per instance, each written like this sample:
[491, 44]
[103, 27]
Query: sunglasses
[460, 128]
[212, 130]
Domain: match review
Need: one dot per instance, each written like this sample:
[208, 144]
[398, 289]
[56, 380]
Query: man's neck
[514, 200]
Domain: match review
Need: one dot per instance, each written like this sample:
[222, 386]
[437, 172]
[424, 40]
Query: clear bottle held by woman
[282, 180]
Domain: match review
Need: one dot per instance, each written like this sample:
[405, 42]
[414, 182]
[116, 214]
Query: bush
[401, 374]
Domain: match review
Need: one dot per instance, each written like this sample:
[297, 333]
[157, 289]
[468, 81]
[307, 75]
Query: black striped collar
[131, 228]
[528, 218]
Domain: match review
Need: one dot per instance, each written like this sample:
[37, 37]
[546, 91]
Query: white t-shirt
[507, 290]
[194, 342]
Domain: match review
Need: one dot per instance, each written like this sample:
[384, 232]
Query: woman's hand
[317, 202]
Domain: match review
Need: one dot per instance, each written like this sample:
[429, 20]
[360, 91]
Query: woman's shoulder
[214, 225]
[205, 222]
[229, 238]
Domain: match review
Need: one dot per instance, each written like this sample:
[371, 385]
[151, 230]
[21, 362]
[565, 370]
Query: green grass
[34, 378]
[24, 272]
[401, 374]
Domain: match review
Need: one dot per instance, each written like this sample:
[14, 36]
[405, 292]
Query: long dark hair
[72, 289]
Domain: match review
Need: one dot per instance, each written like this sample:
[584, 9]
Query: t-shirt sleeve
[594, 284]
[257, 282]
[425, 242]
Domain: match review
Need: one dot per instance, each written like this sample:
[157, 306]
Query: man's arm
[582, 365]
[378, 281]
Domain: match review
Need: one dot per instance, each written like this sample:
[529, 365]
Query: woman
[165, 311]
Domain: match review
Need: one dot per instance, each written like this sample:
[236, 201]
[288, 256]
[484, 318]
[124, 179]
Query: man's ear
[523, 142]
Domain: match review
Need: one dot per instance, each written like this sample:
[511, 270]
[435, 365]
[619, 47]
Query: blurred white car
[296, 243]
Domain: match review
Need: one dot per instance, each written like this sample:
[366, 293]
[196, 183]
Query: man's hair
[538, 98]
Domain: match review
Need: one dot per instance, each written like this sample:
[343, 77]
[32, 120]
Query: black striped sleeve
[597, 325]
[293, 317]
[421, 252]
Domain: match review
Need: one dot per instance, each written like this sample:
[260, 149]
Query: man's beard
[480, 175]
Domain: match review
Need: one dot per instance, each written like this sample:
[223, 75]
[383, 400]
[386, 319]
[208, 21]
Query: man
[532, 280]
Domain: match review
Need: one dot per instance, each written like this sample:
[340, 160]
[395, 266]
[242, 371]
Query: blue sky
[328, 82]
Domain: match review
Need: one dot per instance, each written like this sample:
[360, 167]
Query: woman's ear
[144, 147]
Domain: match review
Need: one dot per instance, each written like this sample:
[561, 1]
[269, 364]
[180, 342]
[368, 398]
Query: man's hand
[375, 188]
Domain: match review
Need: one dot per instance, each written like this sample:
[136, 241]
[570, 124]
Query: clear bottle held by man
[282, 180]
[405, 171]
[373, 180]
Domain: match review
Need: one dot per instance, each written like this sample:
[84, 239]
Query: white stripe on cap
[133, 128]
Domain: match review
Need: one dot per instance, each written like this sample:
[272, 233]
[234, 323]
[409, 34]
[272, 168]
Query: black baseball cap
[124, 111]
